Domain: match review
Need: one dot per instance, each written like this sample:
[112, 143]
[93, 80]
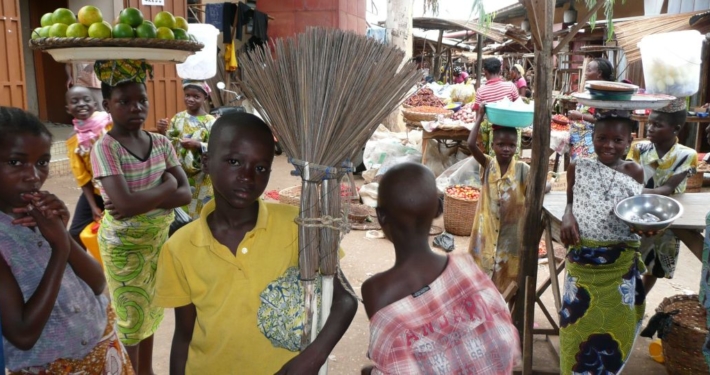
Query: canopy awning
[495, 31]
[629, 33]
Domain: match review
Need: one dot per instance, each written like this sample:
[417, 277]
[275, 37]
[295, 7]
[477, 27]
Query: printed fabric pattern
[494, 242]
[130, 249]
[183, 125]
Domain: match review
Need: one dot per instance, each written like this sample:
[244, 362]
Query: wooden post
[399, 34]
[435, 73]
[523, 318]
[479, 63]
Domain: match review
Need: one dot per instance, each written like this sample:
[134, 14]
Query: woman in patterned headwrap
[189, 131]
[141, 182]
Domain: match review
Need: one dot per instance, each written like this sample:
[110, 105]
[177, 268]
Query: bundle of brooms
[324, 92]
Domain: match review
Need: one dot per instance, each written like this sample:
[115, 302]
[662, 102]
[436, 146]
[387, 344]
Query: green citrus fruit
[63, 15]
[146, 30]
[123, 30]
[90, 15]
[165, 33]
[131, 16]
[58, 30]
[164, 19]
[110, 26]
[46, 20]
[100, 30]
[44, 32]
[77, 30]
[180, 34]
[180, 23]
[36, 33]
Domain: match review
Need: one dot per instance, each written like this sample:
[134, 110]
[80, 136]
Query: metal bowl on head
[633, 210]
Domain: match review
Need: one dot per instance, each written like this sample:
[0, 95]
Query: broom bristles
[325, 92]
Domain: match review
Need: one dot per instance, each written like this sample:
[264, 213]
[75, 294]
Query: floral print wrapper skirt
[130, 249]
[602, 307]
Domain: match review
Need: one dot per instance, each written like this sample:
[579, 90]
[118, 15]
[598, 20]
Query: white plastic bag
[203, 64]
[465, 172]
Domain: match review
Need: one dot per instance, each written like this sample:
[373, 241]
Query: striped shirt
[496, 90]
[110, 158]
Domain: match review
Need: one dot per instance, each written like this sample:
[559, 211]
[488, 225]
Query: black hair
[240, 120]
[491, 65]
[14, 121]
[605, 68]
[673, 118]
[504, 129]
[106, 89]
[630, 124]
[418, 59]
[528, 93]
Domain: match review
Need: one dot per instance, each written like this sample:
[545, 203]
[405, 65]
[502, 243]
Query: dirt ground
[364, 257]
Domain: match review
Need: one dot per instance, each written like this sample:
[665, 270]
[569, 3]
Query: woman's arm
[473, 138]
[87, 268]
[569, 233]
[183, 195]
[88, 191]
[127, 203]
[576, 115]
[23, 322]
[669, 187]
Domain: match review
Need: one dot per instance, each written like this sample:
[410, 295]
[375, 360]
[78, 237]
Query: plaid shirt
[459, 324]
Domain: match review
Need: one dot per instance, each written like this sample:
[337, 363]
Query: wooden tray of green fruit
[88, 37]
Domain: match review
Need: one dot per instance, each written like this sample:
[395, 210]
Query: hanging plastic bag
[465, 172]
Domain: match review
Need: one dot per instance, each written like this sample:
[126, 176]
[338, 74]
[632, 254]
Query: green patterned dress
[183, 125]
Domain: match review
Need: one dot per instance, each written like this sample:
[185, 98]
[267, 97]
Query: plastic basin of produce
[671, 62]
[510, 114]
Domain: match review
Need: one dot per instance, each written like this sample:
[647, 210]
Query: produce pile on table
[465, 114]
[424, 97]
[559, 123]
[62, 23]
[463, 192]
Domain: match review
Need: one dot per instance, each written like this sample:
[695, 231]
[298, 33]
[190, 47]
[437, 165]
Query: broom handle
[326, 304]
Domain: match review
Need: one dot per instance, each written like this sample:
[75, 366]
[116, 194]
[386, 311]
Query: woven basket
[411, 115]
[458, 215]
[683, 345]
[52, 43]
[695, 182]
[291, 196]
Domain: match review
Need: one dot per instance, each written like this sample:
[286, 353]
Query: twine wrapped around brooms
[324, 92]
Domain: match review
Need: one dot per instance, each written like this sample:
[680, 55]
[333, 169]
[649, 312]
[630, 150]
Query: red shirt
[496, 90]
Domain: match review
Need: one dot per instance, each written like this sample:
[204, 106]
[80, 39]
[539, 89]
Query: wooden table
[458, 134]
[691, 119]
[688, 228]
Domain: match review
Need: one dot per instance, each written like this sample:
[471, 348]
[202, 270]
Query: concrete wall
[294, 16]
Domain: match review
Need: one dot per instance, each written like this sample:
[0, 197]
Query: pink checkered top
[459, 324]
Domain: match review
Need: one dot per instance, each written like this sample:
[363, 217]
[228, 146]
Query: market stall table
[688, 228]
[457, 134]
[642, 119]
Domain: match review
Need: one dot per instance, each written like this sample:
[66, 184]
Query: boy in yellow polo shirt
[220, 272]
[89, 126]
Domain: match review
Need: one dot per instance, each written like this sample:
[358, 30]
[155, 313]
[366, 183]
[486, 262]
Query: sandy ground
[365, 257]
